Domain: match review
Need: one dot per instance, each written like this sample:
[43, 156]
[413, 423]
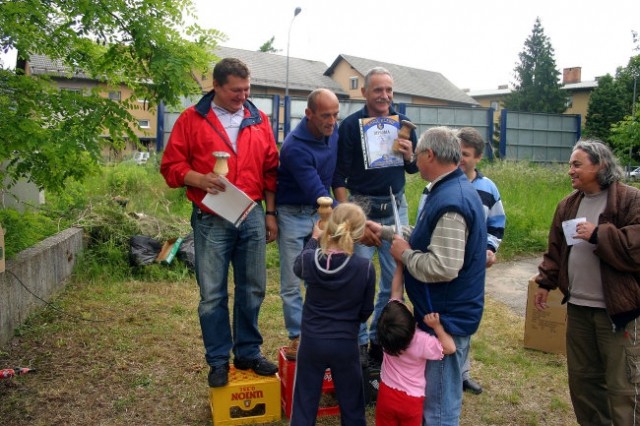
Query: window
[144, 124]
[72, 89]
[568, 103]
[114, 95]
[495, 105]
[353, 83]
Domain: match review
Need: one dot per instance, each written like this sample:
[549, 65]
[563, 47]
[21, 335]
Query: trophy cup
[324, 210]
[221, 168]
[403, 133]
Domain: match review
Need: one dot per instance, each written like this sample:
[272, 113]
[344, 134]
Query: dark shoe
[364, 357]
[472, 386]
[219, 375]
[291, 351]
[261, 366]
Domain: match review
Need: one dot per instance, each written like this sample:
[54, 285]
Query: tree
[613, 115]
[606, 106]
[268, 47]
[625, 133]
[625, 138]
[537, 88]
[49, 135]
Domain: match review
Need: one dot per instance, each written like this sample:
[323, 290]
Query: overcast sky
[474, 44]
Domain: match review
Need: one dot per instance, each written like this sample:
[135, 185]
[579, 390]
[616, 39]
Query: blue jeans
[387, 268]
[443, 401]
[295, 225]
[217, 244]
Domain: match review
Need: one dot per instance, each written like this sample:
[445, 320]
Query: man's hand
[584, 230]
[211, 183]
[272, 228]
[540, 299]
[491, 258]
[405, 147]
[370, 237]
[398, 247]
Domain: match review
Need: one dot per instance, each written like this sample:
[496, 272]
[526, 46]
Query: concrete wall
[42, 269]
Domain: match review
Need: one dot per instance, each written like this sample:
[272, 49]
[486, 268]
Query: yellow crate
[246, 399]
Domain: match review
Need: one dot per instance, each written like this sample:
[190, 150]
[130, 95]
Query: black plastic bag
[187, 253]
[143, 250]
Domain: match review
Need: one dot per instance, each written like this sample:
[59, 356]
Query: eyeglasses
[415, 154]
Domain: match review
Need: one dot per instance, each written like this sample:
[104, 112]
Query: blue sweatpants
[314, 357]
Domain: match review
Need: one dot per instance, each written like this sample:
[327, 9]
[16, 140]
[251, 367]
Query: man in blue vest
[444, 265]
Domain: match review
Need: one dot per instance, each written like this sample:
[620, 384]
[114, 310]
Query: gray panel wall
[524, 136]
[539, 138]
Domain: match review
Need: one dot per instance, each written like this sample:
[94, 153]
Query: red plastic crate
[287, 374]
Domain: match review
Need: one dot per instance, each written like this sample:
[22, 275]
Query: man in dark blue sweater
[307, 164]
[369, 187]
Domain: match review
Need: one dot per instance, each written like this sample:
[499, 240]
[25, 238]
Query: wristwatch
[271, 213]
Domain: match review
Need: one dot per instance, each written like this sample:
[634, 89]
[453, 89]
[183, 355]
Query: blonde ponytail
[345, 226]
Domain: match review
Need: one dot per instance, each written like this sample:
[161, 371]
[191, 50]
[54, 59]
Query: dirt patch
[507, 282]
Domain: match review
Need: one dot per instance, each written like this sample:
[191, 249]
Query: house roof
[270, 69]
[267, 69]
[582, 85]
[409, 81]
[488, 92]
[43, 65]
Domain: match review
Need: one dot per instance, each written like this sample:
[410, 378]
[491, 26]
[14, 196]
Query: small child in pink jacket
[406, 350]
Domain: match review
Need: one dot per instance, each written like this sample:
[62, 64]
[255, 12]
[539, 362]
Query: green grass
[529, 194]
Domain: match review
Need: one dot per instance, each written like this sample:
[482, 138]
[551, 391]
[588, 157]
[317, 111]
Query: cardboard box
[246, 399]
[545, 330]
[2, 251]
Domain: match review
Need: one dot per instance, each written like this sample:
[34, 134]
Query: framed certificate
[377, 135]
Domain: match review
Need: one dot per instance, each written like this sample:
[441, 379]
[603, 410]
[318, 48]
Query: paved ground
[507, 282]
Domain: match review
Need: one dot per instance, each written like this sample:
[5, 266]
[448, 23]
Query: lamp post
[286, 84]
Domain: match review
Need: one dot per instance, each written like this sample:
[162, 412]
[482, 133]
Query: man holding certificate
[369, 162]
[225, 121]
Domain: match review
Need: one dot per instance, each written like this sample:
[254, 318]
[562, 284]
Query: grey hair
[599, 153]
[374, 71]
[443, 142]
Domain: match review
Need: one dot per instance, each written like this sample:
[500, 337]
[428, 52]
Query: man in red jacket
[224, 120]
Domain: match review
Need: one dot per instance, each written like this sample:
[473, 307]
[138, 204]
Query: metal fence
[541, 138]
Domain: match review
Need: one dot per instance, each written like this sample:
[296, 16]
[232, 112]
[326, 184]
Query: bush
[129, 199]
[24, 230]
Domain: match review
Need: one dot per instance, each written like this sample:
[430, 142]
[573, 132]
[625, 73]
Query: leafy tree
[268, 47]
[613, 115]
[48, 135]
[606, 106]
[537, 88]
[627, 77]
[625, 138]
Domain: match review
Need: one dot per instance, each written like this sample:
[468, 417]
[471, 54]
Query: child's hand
[432, 319]
[317, 232]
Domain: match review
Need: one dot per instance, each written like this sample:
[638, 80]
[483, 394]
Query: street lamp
[286, 86]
